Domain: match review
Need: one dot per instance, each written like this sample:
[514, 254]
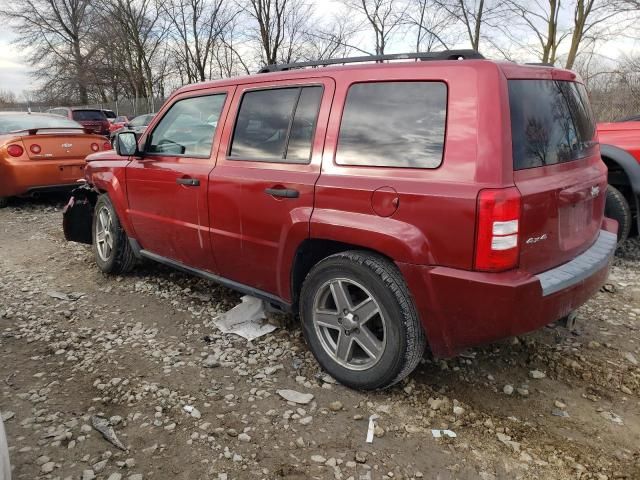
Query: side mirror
[127, 144]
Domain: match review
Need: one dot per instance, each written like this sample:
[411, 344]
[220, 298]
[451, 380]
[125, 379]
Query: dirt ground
[137, 349]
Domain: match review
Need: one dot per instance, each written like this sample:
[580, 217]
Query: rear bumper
[461, 309]
[28, 177]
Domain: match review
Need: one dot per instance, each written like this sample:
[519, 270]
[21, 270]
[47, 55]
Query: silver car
[5, 468]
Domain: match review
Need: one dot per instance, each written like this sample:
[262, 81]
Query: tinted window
[88, 115]
[551, 122]
[276, 125]
[304, 125]
[393, 124]
[141, 121]
[23, 121]
[187, 129]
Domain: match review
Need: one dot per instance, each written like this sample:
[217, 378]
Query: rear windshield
[88, 115]
[551, 122]
[141, 121]
[25, 121]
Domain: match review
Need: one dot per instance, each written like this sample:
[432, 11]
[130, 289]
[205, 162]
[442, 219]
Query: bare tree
[197, 27]
[434, 25]
[278, 25]
[475, 16]
[136, 33]
[57, 33]
[383, 17]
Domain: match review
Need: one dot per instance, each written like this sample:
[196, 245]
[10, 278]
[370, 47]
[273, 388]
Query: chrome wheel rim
[349, 324]
[104, 234]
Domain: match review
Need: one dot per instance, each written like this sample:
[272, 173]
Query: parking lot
[137, 349]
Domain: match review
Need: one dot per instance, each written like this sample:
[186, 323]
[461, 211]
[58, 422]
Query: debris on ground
[248, 319]
[295, 397]
[103, 426]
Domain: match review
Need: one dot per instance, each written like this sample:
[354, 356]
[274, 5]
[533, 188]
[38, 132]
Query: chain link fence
[128, 107]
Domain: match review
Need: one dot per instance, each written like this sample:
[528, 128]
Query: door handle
[189, 182]
[282, 192]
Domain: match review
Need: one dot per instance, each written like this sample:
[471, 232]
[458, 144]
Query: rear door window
[276, 125]
[393, 124]
[551, 122]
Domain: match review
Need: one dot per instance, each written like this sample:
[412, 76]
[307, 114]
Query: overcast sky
[14, 71]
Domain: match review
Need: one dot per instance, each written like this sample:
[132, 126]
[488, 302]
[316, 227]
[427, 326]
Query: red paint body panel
[624, 135]
[422, 219]
[495, 306]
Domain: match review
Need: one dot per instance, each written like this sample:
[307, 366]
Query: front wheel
[360, 321]
[111, 247]
[617, 207]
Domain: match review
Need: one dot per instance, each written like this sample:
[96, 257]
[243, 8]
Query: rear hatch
[93, 120]
[60, 145]
[557, 169]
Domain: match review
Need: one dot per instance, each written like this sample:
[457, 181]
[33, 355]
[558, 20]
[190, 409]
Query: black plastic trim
[240, 287]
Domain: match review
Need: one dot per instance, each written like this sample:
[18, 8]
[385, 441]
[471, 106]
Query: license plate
[71, 172]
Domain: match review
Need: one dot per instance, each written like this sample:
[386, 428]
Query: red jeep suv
[444, 200]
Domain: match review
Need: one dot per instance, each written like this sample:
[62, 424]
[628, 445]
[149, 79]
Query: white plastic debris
[246, 319]
[372, 427]
[193, 411]
[443, 433]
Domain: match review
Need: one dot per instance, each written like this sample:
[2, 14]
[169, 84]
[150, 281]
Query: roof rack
[540, 64]
[423, 56]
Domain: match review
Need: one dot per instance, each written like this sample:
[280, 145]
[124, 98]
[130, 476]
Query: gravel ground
[78, 347]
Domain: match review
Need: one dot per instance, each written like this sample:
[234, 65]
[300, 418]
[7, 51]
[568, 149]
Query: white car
[5, 468]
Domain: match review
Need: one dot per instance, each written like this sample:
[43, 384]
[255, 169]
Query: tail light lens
[106, 146]
[95, 147]
[35, 149]
[497, 243]
[15, 150]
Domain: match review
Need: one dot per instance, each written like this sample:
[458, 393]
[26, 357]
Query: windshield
[25, 121]
[141, 121]
[88, 115]
[551, 122]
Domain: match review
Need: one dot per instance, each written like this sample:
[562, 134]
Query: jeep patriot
[434, 200]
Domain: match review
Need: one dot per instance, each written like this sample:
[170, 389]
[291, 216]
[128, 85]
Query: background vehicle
[137, 125]
[92, 119]
[5, 467]
[42, 153]
[620, 149]
[110, 114]
[335, 194]
[117, 123]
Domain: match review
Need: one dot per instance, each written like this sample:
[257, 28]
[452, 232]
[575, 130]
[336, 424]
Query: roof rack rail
[540, 64]
[423, 56]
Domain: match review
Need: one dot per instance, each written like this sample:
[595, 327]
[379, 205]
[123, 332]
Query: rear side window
[551, 122]
[276, 125]
[393, 124]
[88, 115]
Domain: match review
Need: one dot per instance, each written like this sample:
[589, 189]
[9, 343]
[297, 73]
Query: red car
[620, 148]
[445, 202]
[93, 119]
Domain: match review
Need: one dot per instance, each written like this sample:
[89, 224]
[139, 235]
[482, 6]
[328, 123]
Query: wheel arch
[623, 174]
[312, 251]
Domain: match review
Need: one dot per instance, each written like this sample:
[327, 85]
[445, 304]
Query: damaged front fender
[77, 216]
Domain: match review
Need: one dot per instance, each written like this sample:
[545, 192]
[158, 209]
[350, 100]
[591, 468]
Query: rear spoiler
[34, 131]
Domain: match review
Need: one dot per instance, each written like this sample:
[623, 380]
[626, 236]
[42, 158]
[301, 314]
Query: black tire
[4, 201]
[120, 258]
[404, 339]
[617, 207]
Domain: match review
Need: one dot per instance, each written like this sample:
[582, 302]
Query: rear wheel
[617, 207]
[4, 201]
[360, 321]
[111, 246]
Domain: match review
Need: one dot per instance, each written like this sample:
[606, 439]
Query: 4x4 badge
[595, 191]
[533, 240]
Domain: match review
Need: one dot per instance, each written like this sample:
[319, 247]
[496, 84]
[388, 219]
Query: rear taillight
[497, 245]
[35, 149]
[15, 150]
[106, 146]
[95, 147]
